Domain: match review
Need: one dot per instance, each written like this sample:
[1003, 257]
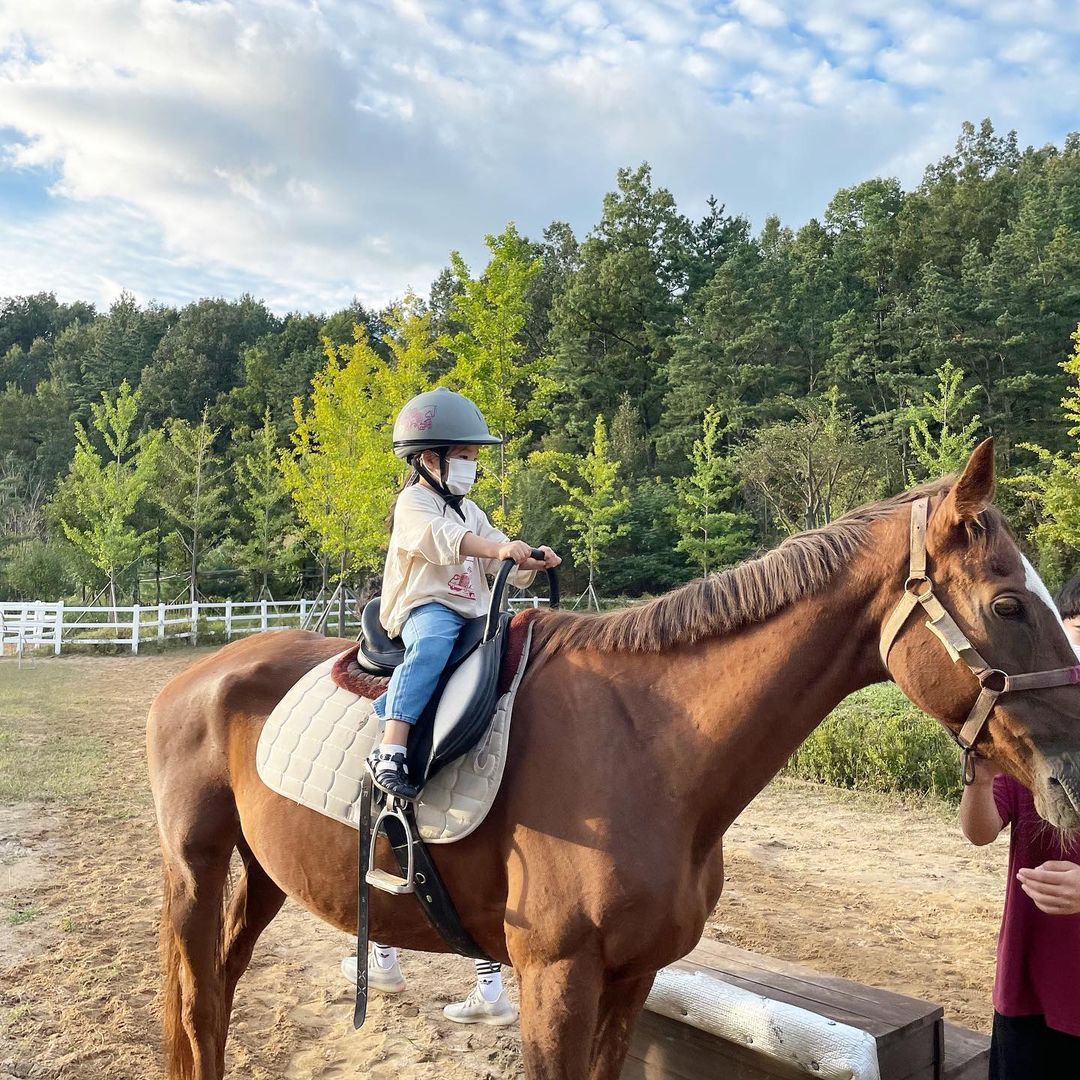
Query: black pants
[1024, 1048]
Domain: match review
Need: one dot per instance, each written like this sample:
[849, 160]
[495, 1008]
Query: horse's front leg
[560, 1015]
[620, 1006]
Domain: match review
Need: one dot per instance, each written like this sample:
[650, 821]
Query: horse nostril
[1054, 781]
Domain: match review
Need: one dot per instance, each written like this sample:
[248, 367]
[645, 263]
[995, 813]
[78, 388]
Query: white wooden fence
[59, 626]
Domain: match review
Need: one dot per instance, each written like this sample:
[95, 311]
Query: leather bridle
[993, 682]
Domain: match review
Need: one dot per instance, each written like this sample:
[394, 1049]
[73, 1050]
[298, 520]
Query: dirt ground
[860, 886]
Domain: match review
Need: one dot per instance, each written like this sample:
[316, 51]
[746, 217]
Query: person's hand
[985, 770]
[1054, 887]
[549, 562]
[518, 551]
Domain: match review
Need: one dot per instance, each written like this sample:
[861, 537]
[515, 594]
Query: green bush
[876, 740]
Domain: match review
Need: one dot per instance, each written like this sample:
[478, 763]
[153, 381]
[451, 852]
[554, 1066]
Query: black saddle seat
[379, 653]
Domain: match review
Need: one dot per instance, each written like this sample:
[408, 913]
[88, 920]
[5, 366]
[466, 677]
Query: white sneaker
[475, 1010]
[386, 980]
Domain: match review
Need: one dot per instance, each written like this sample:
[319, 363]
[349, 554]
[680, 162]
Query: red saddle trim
[349, 675]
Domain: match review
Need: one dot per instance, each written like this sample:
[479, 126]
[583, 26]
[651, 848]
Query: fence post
[194, 622]
[58, 629]
[303, 611]
[36, 635]
[262, 615]
[161, 622]
[136, 625]
[228, 620]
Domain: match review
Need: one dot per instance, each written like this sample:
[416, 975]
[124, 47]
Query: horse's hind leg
[197, 840]
[255, 902]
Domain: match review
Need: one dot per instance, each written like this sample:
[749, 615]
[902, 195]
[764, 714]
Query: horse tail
[179, 1061]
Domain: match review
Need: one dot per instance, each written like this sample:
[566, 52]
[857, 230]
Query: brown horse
[639, 736]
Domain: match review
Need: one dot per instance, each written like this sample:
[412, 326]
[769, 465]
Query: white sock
[489, 980]
[385, 956]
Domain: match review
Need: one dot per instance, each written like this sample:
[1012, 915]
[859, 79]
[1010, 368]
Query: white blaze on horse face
[1036, 585]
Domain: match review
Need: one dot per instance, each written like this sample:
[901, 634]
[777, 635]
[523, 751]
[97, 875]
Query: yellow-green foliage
[342, 470]
[1054, 488]
[876, 740]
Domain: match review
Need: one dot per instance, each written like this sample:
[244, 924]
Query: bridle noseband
[993, 682]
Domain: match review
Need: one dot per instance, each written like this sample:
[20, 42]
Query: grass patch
[45, 751]
[23, 915]
[876, 740]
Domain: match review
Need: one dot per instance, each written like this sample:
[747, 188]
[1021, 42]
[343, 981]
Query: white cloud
[761, 12]
[309, 151]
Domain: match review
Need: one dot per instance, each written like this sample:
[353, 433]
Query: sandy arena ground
[860, 886]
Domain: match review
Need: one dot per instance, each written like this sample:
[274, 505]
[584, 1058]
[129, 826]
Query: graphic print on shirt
[462, 584]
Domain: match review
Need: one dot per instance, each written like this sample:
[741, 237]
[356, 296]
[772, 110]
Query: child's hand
[1054, 887]
[518, 551]
[549, 562]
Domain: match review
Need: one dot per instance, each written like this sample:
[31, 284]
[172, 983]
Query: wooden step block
[967, 1054]
[908, 1032]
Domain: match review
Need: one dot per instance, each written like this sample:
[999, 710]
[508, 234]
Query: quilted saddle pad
[313, 745]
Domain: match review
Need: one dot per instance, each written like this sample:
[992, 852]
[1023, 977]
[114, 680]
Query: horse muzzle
[1057, 791]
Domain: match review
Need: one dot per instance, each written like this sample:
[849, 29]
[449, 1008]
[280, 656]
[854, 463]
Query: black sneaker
[389, 773]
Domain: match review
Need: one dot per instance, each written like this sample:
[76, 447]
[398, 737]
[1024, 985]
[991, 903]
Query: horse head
[982, 624]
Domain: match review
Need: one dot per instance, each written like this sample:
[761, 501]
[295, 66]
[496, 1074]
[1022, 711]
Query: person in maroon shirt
[1037, 986]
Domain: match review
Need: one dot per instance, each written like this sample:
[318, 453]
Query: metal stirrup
[393, 809]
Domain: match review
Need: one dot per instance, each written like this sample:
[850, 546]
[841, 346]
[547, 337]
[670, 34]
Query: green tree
[594, 504]
[611, 324]
[948, 448]
[98, 500]
[808, 471]
[264, 521]
[341, 470]
[710, 534]
[1054, 489]
[199, 358]
[489, 364]
[192, 492]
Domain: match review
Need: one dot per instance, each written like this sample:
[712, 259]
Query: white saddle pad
[313, 745]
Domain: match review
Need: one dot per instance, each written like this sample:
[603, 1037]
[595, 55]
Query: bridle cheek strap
[993, 682]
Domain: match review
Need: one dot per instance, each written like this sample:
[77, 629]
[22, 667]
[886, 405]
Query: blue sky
[312, 150]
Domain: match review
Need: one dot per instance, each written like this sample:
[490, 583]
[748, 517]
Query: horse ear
[973, 491]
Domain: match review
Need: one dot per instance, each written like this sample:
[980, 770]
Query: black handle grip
[498, 591]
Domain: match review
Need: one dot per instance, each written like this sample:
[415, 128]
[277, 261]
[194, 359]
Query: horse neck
[759, 692]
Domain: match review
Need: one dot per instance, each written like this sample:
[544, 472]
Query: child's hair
[411, 478]
[1068, 600]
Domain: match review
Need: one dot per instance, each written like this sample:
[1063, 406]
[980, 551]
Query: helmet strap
[451, 500]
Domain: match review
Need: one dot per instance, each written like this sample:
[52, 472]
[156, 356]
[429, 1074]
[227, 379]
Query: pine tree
[192, 492]
[265, 519]
[710, 535]
[948, 448]
[594, 504]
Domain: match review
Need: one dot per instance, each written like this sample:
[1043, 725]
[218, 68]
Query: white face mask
[460, 475]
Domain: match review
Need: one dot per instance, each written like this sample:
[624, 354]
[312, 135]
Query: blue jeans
[429, 635]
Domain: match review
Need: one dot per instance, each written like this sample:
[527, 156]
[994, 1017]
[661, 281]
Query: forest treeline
[677, 392]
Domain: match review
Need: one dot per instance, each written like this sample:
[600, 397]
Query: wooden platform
[913, 1041]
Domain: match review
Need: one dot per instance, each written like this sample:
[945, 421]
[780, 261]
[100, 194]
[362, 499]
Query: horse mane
[799, 567]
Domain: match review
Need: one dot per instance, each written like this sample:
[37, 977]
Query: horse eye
[1008, 607]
